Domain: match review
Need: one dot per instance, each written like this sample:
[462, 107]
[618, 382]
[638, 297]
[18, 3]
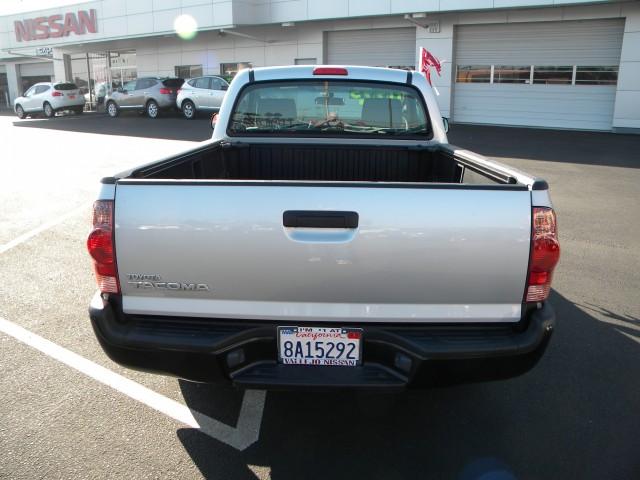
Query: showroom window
[538, 74]
[511, 74]
[229, 70]
[188, 71]
[27, 82]
[596, 75]
[473, 74]
[122, 68]
[553, 75]
[4, 90]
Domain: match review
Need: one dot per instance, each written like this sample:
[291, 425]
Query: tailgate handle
[319, 219]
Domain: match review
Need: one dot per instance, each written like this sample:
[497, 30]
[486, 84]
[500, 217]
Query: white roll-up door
[378, 47]
[565, 73]
[36, 69]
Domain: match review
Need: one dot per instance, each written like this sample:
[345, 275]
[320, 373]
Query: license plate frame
[314, 340]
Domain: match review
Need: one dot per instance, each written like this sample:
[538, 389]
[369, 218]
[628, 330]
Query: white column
[13, 81]
[626, 115]
[58, 66]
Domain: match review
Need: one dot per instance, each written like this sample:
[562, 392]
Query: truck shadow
[566, 146]
[170, 126]
[573, 416]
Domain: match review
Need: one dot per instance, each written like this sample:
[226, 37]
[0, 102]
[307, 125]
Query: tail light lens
[57, 94]
[545, 253]
[101, 247]
[166, 91]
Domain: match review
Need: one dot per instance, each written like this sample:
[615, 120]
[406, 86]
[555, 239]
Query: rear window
[65, 86]
[173, 82]
[329, 108]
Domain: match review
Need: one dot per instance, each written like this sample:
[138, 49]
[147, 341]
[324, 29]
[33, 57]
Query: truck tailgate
[418, 254]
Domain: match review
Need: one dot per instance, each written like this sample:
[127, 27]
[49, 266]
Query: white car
[49, 98]
[201, 94]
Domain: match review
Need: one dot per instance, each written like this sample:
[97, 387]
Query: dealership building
[543, 63]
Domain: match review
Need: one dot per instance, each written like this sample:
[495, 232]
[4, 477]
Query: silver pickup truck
[327, 236]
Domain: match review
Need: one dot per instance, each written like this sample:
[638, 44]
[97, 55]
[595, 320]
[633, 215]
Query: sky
[9, 7]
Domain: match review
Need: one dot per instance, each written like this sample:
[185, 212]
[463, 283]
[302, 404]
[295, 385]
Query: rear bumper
[79, 101]
[166, 101]
[244, 353]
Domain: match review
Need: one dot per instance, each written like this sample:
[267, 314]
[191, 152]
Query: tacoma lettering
[198, 287]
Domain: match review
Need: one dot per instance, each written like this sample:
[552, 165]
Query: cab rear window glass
[173, 82]
[330, 108]
[66, 86]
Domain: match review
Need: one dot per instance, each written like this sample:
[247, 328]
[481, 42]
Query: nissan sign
[56, 26]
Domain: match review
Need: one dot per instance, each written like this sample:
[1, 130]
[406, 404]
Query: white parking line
[244, 434]
[45, 226]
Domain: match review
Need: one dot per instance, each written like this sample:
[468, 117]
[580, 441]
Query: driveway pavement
[66, 411]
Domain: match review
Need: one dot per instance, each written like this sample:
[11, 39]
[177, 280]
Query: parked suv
[148, 94]
[49, 98]
[201, 93]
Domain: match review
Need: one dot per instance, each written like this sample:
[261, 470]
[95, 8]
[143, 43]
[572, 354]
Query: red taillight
[545, 253]
[57, 94]
[330, 71]
[166, 91]
[100, 246]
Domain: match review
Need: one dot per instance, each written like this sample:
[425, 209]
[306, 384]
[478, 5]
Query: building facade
[544, 63]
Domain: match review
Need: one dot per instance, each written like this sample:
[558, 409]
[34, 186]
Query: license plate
[72, 96]
[320, 346]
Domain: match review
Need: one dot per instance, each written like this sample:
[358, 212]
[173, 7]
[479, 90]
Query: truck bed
[318, 162]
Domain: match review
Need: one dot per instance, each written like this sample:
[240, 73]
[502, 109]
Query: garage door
[380, 47]
[36, 69]
[551, 74]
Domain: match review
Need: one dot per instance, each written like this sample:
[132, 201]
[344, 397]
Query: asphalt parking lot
[576, 415]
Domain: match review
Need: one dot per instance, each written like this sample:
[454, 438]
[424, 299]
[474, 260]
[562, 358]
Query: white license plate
[72, 96]
[320, 346]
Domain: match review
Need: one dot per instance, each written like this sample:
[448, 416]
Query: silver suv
[201, 94]
[149, 95]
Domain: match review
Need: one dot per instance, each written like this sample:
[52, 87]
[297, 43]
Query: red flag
[427, 60]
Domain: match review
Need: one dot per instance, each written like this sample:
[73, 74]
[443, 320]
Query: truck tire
[48, 110]
[112, 109]
[188, 110]
[152, 109]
